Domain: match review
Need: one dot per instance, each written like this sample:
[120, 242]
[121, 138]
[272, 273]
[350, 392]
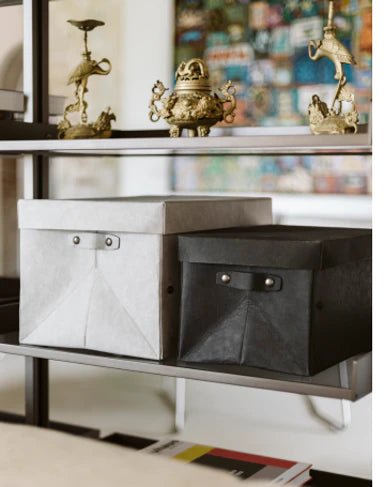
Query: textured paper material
[31, 457]
[122, 299]
[145, 214]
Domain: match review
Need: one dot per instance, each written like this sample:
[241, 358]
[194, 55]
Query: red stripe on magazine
[247, 457]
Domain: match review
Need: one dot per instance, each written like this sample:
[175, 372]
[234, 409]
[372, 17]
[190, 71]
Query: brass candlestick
[192, 105]
[332, 120]
[101, 128]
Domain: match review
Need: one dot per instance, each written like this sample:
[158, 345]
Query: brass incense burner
[101, 128]
[332, 120]
[193, 105]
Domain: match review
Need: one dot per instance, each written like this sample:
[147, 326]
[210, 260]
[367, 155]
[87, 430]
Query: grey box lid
[146, 214]
[278, 246]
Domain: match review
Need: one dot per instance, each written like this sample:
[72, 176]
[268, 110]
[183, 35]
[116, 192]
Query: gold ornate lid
[193, 76]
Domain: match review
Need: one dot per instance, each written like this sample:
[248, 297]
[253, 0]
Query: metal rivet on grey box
[96, 274]
[290, 299]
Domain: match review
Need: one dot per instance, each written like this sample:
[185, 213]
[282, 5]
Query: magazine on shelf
[15, 102]
[11, 101]
[246, 466]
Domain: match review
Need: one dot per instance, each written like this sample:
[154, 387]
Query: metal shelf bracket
[345, 405]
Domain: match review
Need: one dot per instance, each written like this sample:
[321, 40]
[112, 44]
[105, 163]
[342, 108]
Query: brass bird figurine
[331, 47]
[86, 68]
[332, 120]
[79, 76]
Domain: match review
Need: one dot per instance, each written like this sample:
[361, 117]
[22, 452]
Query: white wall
[11, 38]
[11, 35]
[147, 56]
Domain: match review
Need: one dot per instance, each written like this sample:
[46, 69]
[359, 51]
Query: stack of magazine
[243, 465]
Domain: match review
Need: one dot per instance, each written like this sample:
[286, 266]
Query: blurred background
[262, 47]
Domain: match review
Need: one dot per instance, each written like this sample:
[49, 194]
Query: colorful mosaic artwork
[288, 174]
[262, 47]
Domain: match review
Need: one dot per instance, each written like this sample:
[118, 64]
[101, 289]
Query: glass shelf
[241, 141]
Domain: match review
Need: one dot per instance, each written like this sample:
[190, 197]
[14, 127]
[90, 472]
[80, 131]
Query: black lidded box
[9, 305]
[284, 298]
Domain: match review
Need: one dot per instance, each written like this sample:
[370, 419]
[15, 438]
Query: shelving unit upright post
[36, 175]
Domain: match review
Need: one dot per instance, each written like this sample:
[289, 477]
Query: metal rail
[325, 384]
[245, 145]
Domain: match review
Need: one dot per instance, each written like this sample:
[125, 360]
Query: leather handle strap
[94, 241]
[249, 281]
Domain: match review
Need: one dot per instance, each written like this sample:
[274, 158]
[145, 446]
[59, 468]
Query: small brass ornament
[193, 105]
[101, 128]
[332, 120]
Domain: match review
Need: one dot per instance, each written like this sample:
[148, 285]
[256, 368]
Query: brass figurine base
[192, 106]
[101, 128]
[324, 120]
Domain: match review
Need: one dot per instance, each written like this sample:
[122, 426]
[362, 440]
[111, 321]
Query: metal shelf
[262, 142]
[351, 379]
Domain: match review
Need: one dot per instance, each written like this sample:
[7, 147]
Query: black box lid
[279, 246]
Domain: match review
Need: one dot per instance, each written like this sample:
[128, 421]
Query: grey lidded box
[290, 299]
[104, 274]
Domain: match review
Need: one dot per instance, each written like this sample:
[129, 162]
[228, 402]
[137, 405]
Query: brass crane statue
[79, 76]
[329, 120]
